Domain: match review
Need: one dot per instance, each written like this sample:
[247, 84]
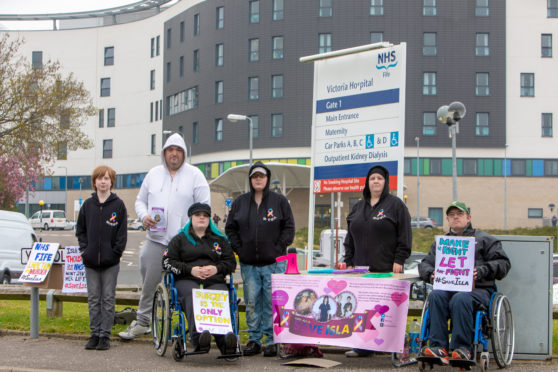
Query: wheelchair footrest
[196, 352]
[432, 360]
[462, 363]
[229, 356]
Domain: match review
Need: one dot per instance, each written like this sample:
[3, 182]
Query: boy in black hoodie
[260, 226]
[101, 230]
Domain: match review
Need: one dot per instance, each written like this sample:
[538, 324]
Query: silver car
[422, 223]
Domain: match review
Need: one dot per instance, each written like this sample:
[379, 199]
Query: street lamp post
[65, 188]
[451, 115]
[418, 176]
[236, 117]
[506, 186]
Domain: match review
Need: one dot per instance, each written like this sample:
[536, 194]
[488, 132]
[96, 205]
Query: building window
[376, 37]
[255, 11]
[107, 149]
[220, 17]
[469, 167]
[325, 43]
[277, 47]
[181, 66]
[62, 151]
[219, 92]
[551, 167]
[278, 10]
[429, 84]
[376, 7]
[101, 118]
[481, 45]
[37, 59]
[109, 56]
[482, 127]
[429, 124]
[152, 79]
[157, 110]
[218, 130]
[254, 45]
[482, 87]
[168, 72]
[195, 132]
[196, 61]
[219, 54]
[181, 131]
[546, 124]
[151, 112]
[105, 87]
[435, 167]
[169, 38]
[182, 101]
[111, 117]
[325, 8]
[153, 144]
[255, 126]
[161, 106]
[482, 9]
[152, 47]
[552, 8]
[429, 47]
[527, 84]
[181, 31]
[535, 213]
[428, 7]
[518, 167]
[196, 24]
[277, 125]
[157, 45]
[253, 88]
[546, 45]
[276, 86]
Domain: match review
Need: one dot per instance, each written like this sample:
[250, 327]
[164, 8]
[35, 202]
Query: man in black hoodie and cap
[260, 227]
[379, 231]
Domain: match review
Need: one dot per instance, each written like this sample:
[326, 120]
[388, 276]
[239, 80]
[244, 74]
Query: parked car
[49, 219]
[419, 289]
[422, 222]
[15, 233]
[135, 225]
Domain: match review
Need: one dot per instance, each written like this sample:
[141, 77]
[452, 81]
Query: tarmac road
[19, 353]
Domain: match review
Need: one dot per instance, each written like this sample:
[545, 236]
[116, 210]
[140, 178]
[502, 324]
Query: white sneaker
[352, 354]
[134, 330]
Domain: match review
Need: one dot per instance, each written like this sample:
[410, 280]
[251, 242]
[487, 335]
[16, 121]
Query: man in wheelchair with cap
[201, 254]
[491, 263]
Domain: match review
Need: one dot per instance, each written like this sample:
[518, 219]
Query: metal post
[506, 186]
[332, 228]
[65, 188]
[454, 161]
[251, 135]
[34, 313]
[418, 176]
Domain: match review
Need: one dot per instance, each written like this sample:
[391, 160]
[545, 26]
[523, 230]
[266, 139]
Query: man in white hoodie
[167, 191]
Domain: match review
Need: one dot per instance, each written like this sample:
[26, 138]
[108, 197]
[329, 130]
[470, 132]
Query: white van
[49, 219]
[15, 233]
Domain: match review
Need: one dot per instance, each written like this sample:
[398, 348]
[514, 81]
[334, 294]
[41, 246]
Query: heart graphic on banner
[327, 290]
[367, 335]
[381, 309]
[277, 329]
[379, 341]
[279, 298]
[337, 285]
[399, 297]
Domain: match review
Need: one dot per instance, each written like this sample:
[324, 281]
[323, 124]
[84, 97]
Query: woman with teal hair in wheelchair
[491, 263]
[201, 254]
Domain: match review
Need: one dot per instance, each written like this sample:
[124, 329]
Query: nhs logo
[386, 60]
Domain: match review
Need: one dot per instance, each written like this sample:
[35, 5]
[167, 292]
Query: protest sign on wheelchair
[212, 311]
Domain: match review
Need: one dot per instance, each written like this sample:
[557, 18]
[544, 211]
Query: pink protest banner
[364, 313]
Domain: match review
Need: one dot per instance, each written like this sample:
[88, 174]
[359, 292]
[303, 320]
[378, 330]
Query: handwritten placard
[212, 312]
[39, 264]
[74, 273]
[455, 261]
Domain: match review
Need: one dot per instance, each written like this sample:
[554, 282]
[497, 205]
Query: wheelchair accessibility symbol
[394, 139]
[369, 141]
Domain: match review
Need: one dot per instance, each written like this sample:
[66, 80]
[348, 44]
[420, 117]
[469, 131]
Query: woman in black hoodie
[101, 230]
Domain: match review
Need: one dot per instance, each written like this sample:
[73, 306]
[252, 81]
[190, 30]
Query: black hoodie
[101, 230]
[260, 234]
[380, 235]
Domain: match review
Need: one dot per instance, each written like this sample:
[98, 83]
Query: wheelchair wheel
[483, 362]
[424, 321]
[160, 319]
[502, 333]
[177, 349]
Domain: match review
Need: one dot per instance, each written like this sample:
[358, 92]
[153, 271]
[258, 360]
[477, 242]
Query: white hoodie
[174, 194]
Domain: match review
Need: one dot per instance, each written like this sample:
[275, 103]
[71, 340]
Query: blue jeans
[460, 307]
[257, 296]
[101, 295]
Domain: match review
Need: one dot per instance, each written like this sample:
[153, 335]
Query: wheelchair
[166, 306]
[494, 324]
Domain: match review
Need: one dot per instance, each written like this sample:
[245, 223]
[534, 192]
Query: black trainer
[270, 350]
[92, 343]
[204, 342]
[252, 348]
[230, 344]
[104, 343]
